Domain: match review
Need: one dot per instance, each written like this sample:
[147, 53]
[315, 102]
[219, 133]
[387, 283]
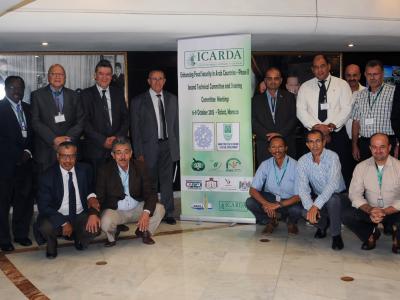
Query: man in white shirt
[324, 103]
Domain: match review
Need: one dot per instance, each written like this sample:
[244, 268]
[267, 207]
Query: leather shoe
[78, 245]
[110, 244]
[23, 242]
[122, 228]
[7, 247]
[51, 255]
[170, 220]
[395, 240]
[146, 238]
[138, 233]
[369, 245]
[320, 233]
[337, 242]
[292, 229]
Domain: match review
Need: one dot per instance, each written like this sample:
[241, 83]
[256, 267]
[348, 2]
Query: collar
[327, 79]
[269, 94]
[13, 104]
[378, 89]
[65, 172]
[153, 94]
[122, 171]
[322, 156]
[100, 89]
[54, 90]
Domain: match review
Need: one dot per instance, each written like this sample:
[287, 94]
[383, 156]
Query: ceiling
[152, 25]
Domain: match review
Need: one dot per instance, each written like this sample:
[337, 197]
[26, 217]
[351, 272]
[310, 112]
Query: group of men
[313, 187]
[107, 187]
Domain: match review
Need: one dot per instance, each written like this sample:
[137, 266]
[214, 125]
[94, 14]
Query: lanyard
[285, 164]
[374, 100]
[326, 92]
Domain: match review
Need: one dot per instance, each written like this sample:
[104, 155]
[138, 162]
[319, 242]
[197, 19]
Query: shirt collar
[14, 105]
[269, 94]
[327, 79]
[153, 94]
[53, 90]
[65, 172]
[100, 89]
[122, 171]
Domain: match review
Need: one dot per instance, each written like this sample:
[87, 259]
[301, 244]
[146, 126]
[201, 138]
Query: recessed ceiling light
[350, 45]
[45, 43]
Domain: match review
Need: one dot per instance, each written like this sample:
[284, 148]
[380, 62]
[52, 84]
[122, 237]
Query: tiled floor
[213, 261]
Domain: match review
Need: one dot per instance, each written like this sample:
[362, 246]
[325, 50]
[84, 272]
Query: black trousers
[16, 192]
[79, 234]
[365, 152]
[360, 223]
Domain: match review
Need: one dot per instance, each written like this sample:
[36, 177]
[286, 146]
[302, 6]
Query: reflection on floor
[212, 261]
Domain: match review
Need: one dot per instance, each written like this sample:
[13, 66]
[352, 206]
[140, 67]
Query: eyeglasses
[156, 79]
[57, 74]
[67, 156]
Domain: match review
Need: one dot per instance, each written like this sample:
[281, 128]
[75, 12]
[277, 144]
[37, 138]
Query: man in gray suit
[155, 134]
[57, 117]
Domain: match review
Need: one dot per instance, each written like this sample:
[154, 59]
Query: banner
[214, 79]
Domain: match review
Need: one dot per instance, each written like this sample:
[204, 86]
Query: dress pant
[360, 223]
[162, 173]
[111, 218]
[291, 213]
[16, 192]
[79, 234]
[365, 152]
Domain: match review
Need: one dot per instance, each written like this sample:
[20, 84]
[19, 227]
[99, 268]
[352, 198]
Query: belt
[162, 140]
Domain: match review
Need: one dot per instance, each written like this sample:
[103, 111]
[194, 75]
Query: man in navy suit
[16, 165]
[155, 136]
[66, 202]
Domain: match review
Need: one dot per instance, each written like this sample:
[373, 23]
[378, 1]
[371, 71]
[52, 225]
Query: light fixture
[45, 43]
[350, 45]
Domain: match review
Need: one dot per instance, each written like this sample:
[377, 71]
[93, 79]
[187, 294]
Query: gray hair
[121, 140]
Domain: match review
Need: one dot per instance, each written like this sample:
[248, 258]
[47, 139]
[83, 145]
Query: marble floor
[207, 261]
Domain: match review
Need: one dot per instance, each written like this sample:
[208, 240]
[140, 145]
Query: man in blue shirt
[320, 170]
[274, 189]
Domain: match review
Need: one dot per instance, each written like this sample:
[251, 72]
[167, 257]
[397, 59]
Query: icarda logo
[214, 58]
[198, 165]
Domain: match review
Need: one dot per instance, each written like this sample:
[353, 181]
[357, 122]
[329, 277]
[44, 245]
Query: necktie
[21, 119]
[72, 197]
[322, 113]
[58, 101]
[105, 106]
[163, 129]
[273, 107]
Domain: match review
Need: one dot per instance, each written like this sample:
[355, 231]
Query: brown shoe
[395, 241]
[292, 229]
[146, 237]
[269, 228]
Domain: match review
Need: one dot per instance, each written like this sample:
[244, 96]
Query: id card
[277, 198]
[324, 106]
[381, 204]
[369, 121]
[24, 134]
[59, 118]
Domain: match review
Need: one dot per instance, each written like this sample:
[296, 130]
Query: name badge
[59, 118]
[324, 106]
[277, 198]
[24, 134]
[369, 121]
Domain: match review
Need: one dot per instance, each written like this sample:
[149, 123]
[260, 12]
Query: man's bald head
[352, 74]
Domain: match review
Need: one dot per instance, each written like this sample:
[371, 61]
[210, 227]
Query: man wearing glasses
[57, 117]
[155, 136]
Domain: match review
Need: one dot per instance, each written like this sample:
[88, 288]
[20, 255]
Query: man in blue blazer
[67, 205]
[16, 165]
[155, 136]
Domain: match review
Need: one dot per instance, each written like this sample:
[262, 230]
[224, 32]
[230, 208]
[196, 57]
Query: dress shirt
[128, 202]
[325, 178]
[154, 99]
[364, 187]
[270, 174]
[60, 98]
[272, 106]
[380, 110]
[64, 208]
[349, 123]
[338, 99]
[108, 96]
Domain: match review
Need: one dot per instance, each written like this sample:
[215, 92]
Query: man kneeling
[126, 195]
[274, 189]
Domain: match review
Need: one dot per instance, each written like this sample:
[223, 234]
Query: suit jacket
[144, 128]
[12, 144]
[109, 188]
[96, 127]
[395, 117]
[51, 192]
[44, 110]
[285, 120]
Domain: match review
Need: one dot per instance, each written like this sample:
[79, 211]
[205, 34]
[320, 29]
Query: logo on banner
[194, 184]
[198, 165]
[244, 185]
[228, 131]
[227, 185]
[214, 58]
[233, 165]
[231, 206]
[211, 184]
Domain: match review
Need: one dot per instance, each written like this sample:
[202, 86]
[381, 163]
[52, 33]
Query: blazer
[51, 192]
[12, 144]
[109, 188]
[144, 129]
[44, 110]
[96, 128]
[285, 118]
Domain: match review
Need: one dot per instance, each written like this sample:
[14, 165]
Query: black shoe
[78, 245]
[138, 233]
[320, 234]
[146, 238]
[387, 230]
[51, 255]
[7, 247]
[110, 244]
[170, 220]
[369, 245]
[337, 242]
[23, 242]
[122, 228]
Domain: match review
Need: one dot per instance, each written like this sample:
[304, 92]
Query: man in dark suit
[126, 194]
[16, 165]
[106, 116]
[118, 79]
[66, 202]
[57, 116]
[273, 113]
[155, 136]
